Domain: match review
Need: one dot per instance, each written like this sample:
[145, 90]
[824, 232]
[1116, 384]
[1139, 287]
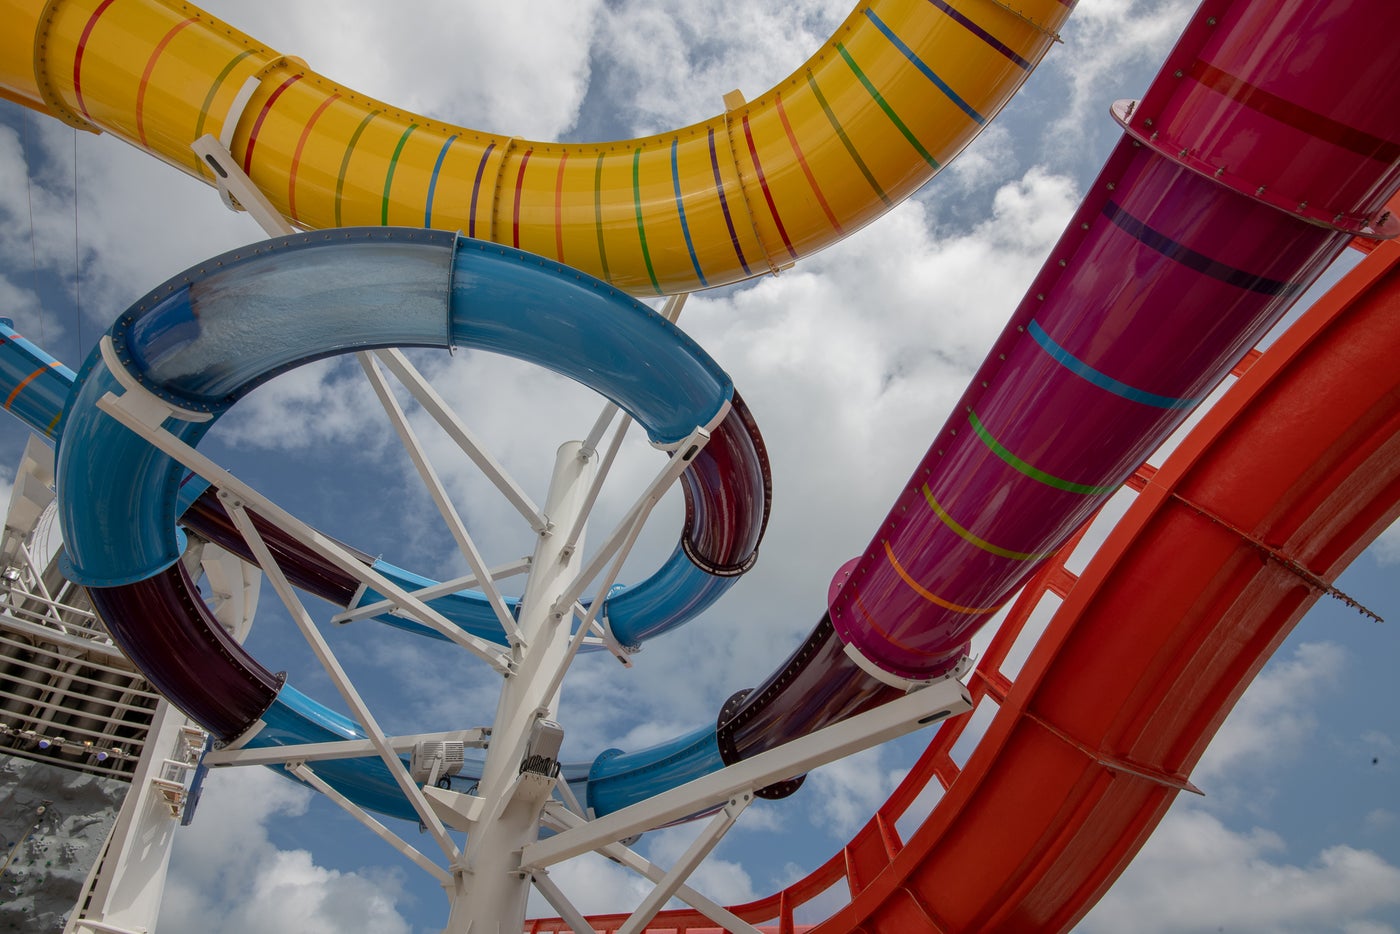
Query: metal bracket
[904, 715]
[236, 188]
[142, 404]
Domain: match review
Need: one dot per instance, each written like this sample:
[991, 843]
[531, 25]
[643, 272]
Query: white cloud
[325, 403]
[670, 66]
[227, 876]
[1195, 874]
[513, 69]
[1387, 547]
[1379, 820]
[841, 796]
[723, 880]
[1108, 43]
[595, 885]
[1273, 720]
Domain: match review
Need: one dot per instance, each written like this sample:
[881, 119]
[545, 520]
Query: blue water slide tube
[206, 338]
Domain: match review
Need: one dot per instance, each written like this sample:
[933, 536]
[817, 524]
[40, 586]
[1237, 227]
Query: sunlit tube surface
[899, 90]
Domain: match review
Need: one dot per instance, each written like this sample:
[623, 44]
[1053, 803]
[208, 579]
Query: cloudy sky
[850, 362]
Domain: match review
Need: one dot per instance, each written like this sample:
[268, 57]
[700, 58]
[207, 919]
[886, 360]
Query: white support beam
[628, 528]
[560, 903]
[323, 545]
[236, 108]
[567, 799]
[345, 749]
[339, 678]
[499, 572]
[100, 927]
[305, 773]
[604, 468]
[442, 413]
[558, 818]
[517, 778]
[600, 427]
[598, 623]
[234, 184]
[672, 309]
[465, 544]
[124, 887]
[900, 716]
[690, 860]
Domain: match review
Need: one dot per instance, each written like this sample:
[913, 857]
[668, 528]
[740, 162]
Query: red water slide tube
[1226, 547]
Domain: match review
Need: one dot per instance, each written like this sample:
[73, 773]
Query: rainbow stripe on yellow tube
[896, 93]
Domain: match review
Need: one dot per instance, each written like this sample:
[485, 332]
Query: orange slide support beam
[1226, 547]
[899, 90]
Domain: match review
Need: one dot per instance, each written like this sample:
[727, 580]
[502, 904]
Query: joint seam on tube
[41, 73]
[496, 190]
[1043, 30]
[744, 192]
[228, 127]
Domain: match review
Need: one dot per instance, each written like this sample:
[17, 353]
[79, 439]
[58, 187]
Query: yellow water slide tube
[899, 90]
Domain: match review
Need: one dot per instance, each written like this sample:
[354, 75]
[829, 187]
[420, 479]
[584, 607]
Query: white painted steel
[690, 860]
[604, 469]
[465, 544]
[327, 547]
[306, 774]
[490, 891]
[347, 749]
[560, 819]
[622, 537]
[442, 413]
[322, 650]
[235, 185]
[560, 903]
[124, 887]
[902, 715]
[499, 572]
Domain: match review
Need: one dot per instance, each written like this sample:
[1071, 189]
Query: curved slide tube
[1159, 238]
[900, 89]
[36, 385]
[1171, 269]
[731, 477]
[205, 339]
[222, 688]
[1098, 730]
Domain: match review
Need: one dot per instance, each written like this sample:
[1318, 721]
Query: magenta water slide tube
[1267, 141]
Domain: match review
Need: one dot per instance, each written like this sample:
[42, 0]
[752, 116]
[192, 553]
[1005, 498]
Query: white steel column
[125, 885]
[489, 891]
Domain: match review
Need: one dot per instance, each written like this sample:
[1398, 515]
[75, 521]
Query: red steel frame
[1226, 546]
